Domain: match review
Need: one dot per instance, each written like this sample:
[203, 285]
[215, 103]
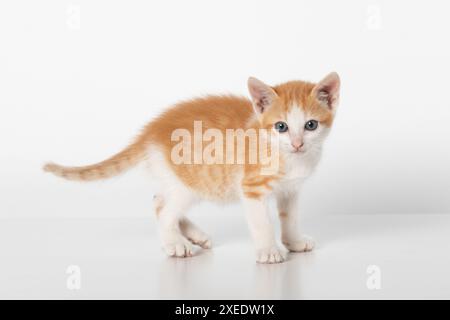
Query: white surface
[75, 93]
[121, 258]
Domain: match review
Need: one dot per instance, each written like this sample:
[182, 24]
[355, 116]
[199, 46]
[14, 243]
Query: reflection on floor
[121, 258]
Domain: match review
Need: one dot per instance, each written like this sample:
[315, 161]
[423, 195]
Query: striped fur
[115, 165]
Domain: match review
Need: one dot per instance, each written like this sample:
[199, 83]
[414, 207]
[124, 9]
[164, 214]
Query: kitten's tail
[119, 163]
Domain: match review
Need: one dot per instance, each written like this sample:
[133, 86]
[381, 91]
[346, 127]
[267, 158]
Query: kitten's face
[299, 113]
[299, 128]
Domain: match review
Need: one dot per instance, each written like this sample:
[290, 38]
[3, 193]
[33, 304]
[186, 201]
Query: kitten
[292, 118]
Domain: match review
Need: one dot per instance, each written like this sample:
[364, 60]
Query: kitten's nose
[297, 144]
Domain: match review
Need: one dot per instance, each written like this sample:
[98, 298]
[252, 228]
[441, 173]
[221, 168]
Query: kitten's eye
[281, 126]
[311, 125]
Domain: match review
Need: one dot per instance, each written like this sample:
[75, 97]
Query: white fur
[176, 199]
[288, 206]
[261, 228]
[194, 234]
[295, 119]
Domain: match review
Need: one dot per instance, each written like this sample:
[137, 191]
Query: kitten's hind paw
[304, 244]
[194, 234]
[180, 249]
[269, 255]
[205, 243]
[202, 240]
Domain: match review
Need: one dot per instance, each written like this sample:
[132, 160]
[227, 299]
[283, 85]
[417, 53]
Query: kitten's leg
[288, 210]
[194, 233]
[261, 228]
[188, 229]
[169, 211]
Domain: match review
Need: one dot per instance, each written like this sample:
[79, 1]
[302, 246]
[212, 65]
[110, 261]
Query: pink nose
[297, 144]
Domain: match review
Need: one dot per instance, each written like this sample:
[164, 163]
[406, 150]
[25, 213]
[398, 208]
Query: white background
[78, 79]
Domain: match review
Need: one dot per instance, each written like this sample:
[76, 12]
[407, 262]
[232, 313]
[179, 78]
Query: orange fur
[220, 112]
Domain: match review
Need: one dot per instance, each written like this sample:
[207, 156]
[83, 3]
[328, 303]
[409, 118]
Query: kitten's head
[300, 113]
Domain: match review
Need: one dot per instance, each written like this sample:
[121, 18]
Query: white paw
[205, 243]
[200, 239]
[194, 234]
[180, 248]
[304, 244]
[269, 255]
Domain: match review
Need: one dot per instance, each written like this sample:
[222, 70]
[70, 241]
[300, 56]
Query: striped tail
[117, 164]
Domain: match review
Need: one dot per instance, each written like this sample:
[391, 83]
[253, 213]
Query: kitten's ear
[327, 91]
[262, 94]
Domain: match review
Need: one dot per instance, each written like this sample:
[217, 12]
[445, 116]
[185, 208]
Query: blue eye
[281, 126]
[311, 125]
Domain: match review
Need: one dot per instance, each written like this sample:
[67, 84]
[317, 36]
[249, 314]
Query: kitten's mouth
[298, 151]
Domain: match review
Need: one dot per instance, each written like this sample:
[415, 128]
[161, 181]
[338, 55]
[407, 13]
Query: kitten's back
[213, 181]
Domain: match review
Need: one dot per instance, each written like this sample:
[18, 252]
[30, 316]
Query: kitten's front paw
[304, 244]
[269, 255]
[181, 248]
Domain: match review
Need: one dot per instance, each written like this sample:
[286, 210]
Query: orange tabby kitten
[211, 148]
